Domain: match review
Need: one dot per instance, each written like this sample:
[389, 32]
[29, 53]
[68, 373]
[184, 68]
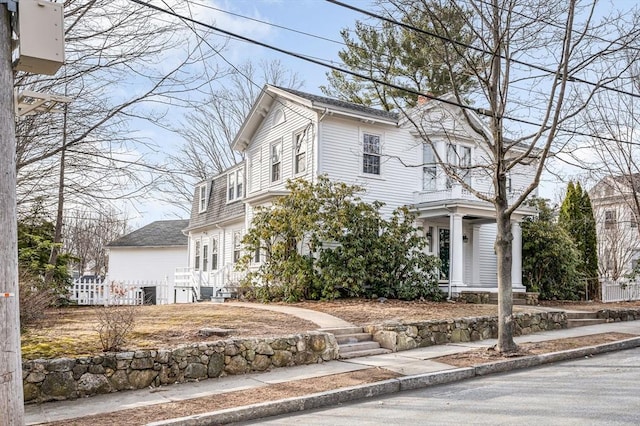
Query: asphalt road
[600, 390]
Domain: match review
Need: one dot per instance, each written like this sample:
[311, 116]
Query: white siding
[297, 119]
[341, 151]
[145, 263]
[488, 261]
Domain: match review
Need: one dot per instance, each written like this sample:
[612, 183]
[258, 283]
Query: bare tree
[123, 65]
[207, 132]
[532, 54]
[86, 233]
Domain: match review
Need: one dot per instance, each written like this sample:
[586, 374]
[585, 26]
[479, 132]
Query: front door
[443, 253]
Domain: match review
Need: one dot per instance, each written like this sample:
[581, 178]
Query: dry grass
[73, 331]
[366, 311]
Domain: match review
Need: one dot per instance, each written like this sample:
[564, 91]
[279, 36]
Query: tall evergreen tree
[576, 217]
[404, 57]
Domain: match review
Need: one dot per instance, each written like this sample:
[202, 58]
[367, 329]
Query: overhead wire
[219, 53]
[480, 111]
[571, 78]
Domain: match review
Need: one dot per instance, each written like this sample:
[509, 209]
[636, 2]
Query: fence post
[106, 292]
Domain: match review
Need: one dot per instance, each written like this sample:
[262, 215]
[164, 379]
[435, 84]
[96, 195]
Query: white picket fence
[621, 290]
[111, 292]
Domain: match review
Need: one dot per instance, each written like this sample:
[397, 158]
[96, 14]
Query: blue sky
[316, 17]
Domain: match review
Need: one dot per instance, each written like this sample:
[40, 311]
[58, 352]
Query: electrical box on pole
[40, 37]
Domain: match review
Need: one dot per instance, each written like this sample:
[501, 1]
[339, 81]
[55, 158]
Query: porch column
[456, 264]
[475, 257]
[516, 256]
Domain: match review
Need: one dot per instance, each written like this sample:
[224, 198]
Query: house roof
[269, 94]
[218, 210]
[343, 105]
[162, 233]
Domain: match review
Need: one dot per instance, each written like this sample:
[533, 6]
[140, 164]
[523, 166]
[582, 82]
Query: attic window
[202, 198]
[278, 117]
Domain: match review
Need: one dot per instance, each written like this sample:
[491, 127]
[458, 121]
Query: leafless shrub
[33, 300]
[114, 323]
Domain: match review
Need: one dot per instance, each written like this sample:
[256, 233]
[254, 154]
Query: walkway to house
[321, 319]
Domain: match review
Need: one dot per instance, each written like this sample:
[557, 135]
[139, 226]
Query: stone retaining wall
[620, 314]
[66, 378]
[403, 336]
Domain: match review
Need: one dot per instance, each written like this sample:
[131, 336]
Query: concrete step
[359, 346]
[343, 339]
[366, 352]
[342, 331]
[572, 323]
[582, 315]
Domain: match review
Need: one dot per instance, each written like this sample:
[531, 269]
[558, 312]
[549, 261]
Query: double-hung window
[429, 168]
[214, 254]
[371, 154]
[276, 162]
[300, 154]
[459, 158]
[196, 260]
[237, 246]
[205, 257]
[610, 219]
[202, 198]
[235, 182]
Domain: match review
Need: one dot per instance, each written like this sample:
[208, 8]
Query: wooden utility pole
[11, 393]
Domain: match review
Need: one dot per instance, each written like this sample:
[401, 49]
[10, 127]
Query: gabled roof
[162, 233]
[322, 101]
[268, 96]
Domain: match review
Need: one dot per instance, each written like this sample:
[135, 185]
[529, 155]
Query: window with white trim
[276, 161]
[235, 181]
[429, 169]
[205, 257]
[300, 152]
[214, 254]
[610, 219]
[237, 246]
[371, 154]
[202, 198]
[459, 157]
[196, 260]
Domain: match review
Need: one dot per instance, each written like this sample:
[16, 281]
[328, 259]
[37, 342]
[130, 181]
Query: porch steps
[353, 342]
[581, 319]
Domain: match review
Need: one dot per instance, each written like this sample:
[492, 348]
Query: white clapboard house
[290, 134]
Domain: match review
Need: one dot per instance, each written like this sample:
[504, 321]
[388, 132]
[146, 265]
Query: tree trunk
[503, 245]
[11, 393]
[57, 237]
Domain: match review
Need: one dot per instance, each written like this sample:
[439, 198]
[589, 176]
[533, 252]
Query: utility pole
[11, 392]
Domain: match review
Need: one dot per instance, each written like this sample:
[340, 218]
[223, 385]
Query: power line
[219, 53]
[571, 78]
[267, 23]
[480, 111]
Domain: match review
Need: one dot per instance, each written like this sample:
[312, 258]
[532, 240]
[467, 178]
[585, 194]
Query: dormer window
[202, 198]
[300, 153]
[235, 181]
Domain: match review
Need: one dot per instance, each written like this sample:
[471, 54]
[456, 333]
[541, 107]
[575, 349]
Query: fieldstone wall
[404, 336]
[66, 378]
[616, 315]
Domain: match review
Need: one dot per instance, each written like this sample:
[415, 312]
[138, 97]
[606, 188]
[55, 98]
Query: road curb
[369, 390]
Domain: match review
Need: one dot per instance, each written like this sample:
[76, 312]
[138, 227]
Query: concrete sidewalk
[412, 363]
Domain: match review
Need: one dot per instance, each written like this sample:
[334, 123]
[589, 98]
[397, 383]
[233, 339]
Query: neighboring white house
[614, 209]
[150, 255]
[290, 134]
